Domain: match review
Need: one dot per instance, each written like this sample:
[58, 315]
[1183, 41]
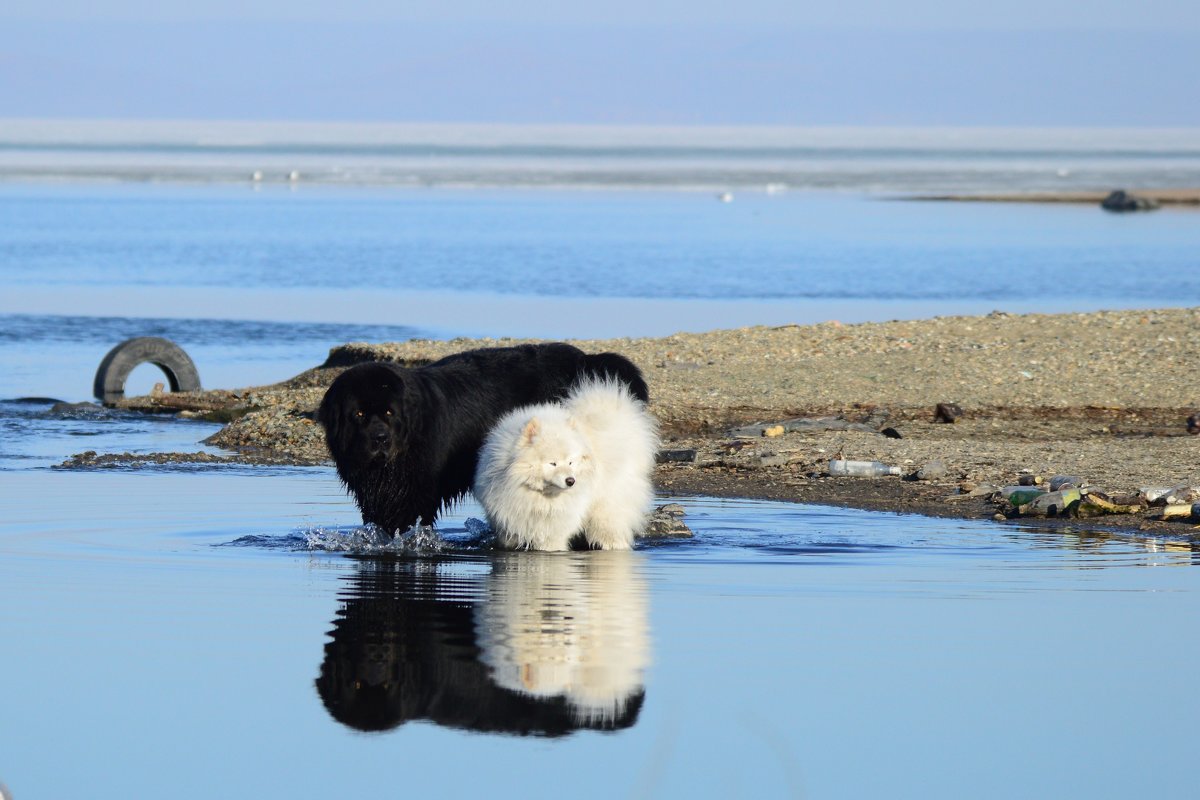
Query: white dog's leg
[609, 528]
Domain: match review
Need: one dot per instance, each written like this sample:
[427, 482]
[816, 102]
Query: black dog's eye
[388, 412]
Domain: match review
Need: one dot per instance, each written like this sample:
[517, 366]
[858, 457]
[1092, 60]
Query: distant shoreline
[1166, 197]
[950, 163]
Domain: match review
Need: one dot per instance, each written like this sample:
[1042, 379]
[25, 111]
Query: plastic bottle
[1052, 504]
[1020, 495]
[860, 469]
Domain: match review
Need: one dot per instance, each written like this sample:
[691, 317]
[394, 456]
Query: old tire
[109, 386]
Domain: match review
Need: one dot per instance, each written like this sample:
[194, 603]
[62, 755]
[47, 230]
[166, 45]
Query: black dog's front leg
[414, 499]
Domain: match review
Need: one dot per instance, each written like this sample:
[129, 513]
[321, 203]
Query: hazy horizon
[768, 64]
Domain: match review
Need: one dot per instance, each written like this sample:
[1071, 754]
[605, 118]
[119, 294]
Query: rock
[675, 456]
[946, 412]
[1120, 200]
[774, 430]
[892, 433]
[772, 460]
[1193, 424]
[667, 523]
[74, 408]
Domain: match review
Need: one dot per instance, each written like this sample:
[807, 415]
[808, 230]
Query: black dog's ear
[327, 414]
[322, 413]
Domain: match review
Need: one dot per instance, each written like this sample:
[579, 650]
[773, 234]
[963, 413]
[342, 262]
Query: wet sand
[1104, 396]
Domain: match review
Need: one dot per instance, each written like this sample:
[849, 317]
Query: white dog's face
[554, 459]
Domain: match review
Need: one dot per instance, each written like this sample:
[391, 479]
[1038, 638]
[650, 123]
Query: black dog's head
[364, 414]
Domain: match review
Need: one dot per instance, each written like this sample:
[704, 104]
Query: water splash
[370, 539]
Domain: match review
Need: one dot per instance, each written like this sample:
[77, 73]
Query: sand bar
[1103, 395]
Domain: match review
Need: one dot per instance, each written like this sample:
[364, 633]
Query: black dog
[406, 441]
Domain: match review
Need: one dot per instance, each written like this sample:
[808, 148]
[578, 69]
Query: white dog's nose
[570, 481]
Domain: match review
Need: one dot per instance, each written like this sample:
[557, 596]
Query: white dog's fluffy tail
[624, 439]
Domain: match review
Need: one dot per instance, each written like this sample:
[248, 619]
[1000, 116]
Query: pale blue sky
[1011, 14]
[922, 62]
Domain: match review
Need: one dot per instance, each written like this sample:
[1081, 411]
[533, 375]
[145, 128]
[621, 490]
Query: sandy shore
[1104, 396]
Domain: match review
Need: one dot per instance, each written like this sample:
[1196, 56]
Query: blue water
[559, 244]
[187, 631]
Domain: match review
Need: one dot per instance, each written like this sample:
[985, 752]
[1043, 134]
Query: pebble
[946, 412]
[676, 456]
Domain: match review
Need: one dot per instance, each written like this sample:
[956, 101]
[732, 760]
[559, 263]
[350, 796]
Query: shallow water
[172, 632]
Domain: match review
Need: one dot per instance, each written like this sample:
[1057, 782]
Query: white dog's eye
[554, 463]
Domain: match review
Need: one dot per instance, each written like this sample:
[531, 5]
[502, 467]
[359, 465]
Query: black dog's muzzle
[379, 438]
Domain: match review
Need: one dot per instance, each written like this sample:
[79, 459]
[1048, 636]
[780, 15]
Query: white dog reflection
[567, 624]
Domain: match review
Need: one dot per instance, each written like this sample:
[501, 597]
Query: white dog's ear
[532, 429]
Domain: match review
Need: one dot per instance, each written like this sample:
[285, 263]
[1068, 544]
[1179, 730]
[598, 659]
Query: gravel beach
[1103, 396]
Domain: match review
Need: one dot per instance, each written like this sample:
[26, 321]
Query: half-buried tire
[109, 386]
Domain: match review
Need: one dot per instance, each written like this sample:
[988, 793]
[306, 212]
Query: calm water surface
[180, 632]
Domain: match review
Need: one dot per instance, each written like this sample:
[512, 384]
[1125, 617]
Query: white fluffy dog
[549, 472]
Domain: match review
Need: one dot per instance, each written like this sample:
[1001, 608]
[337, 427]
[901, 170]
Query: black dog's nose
[570, 481]
[379, 437]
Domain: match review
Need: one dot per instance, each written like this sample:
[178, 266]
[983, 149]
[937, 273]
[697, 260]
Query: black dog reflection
[537, 644]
